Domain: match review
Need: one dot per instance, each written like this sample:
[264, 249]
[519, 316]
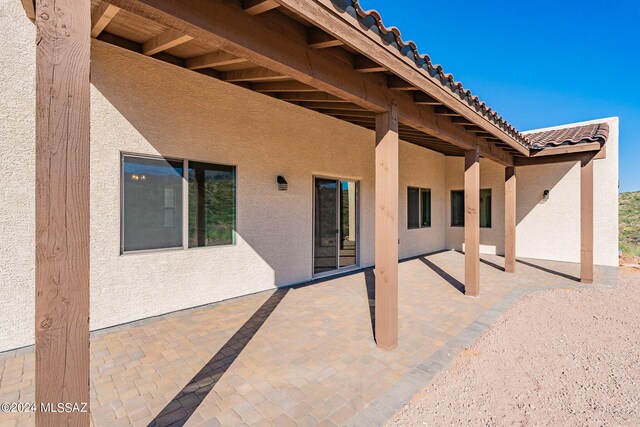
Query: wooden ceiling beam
[167, 40]
[566, 149]
[441, 110]
[287, 86]
[252, 75]
[213, 60]
[101, 17]
[29, 9]
[256, 7]
[460, 121]
[308, 96]
[422, 98]
[363, 64]
[584, 156]
[332, 106]
[396, 83]
[224, 25]
[348, 113]
[324, 14]
[318, 39]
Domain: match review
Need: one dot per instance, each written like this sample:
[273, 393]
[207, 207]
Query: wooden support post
[386, 231]
[510, 185]
[472, 222]
[62, 209]
[586, 221]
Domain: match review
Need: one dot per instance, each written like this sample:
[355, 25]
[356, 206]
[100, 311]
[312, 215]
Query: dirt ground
[629, 261]
[560, 357]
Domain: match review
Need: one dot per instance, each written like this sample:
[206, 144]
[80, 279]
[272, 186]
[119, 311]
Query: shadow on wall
[163, 122]
[546, 178]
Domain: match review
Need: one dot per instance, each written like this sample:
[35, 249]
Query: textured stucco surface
[17, 176]
[140, 105]
[549, 230]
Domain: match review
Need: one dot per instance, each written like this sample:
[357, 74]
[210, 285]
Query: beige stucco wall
[549, 230]
[140, 105]
[17, 176]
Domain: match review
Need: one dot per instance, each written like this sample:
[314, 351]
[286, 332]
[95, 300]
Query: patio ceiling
[329, 56]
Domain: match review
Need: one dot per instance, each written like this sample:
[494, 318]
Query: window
[457, 208]
[211, 204]
[425, 197]
[418, 207]
[152, 203]
[155, 195]
[485, 208]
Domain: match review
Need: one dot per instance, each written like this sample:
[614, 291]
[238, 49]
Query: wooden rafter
[256, 7]
[318, 39]
[213, 60]
[460, 121]
[441, 110]
[396, 83]
[308, 96]
[288, 86]
[167, 40]
[253, 75]
[561, 158]
[323, 13]
[422, 98]
[225, 26]
[349, 113]
[101, 17]
[331, 106]
[364, 65]
[29, 8]
[565, 149]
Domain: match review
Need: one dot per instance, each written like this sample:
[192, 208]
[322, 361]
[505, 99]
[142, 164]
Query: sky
[540, 63]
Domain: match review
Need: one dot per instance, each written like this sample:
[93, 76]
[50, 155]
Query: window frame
[490, 209]
[421, 190]
[490, 189]
[185, 203]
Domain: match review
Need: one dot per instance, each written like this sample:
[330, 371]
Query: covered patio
[331, 57]
[297, 356]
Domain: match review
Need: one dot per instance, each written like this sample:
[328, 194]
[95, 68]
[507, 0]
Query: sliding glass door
[335, 225]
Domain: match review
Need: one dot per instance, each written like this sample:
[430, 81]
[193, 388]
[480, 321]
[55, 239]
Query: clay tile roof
[597, 132]
[372, 20]
[391, 36]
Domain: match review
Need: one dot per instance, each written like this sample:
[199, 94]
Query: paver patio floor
[297, 356]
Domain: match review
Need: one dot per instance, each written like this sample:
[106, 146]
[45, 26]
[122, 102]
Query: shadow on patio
[304, 359]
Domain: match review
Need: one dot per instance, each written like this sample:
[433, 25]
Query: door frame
[338, 269]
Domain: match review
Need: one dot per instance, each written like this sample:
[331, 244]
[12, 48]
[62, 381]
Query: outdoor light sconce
[545, 196]
[283, 185]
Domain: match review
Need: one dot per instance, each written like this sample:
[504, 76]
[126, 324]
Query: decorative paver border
[386, 405]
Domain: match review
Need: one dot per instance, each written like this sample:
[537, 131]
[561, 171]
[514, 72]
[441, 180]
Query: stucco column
[510, 186]
[62, 210]
[472, 222]
[386, 229]
[586, 221]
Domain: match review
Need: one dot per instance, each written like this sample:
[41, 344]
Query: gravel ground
[560, 358]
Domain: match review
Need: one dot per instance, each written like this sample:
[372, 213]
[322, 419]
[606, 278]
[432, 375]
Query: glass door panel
[325, 226]
[348, 226]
